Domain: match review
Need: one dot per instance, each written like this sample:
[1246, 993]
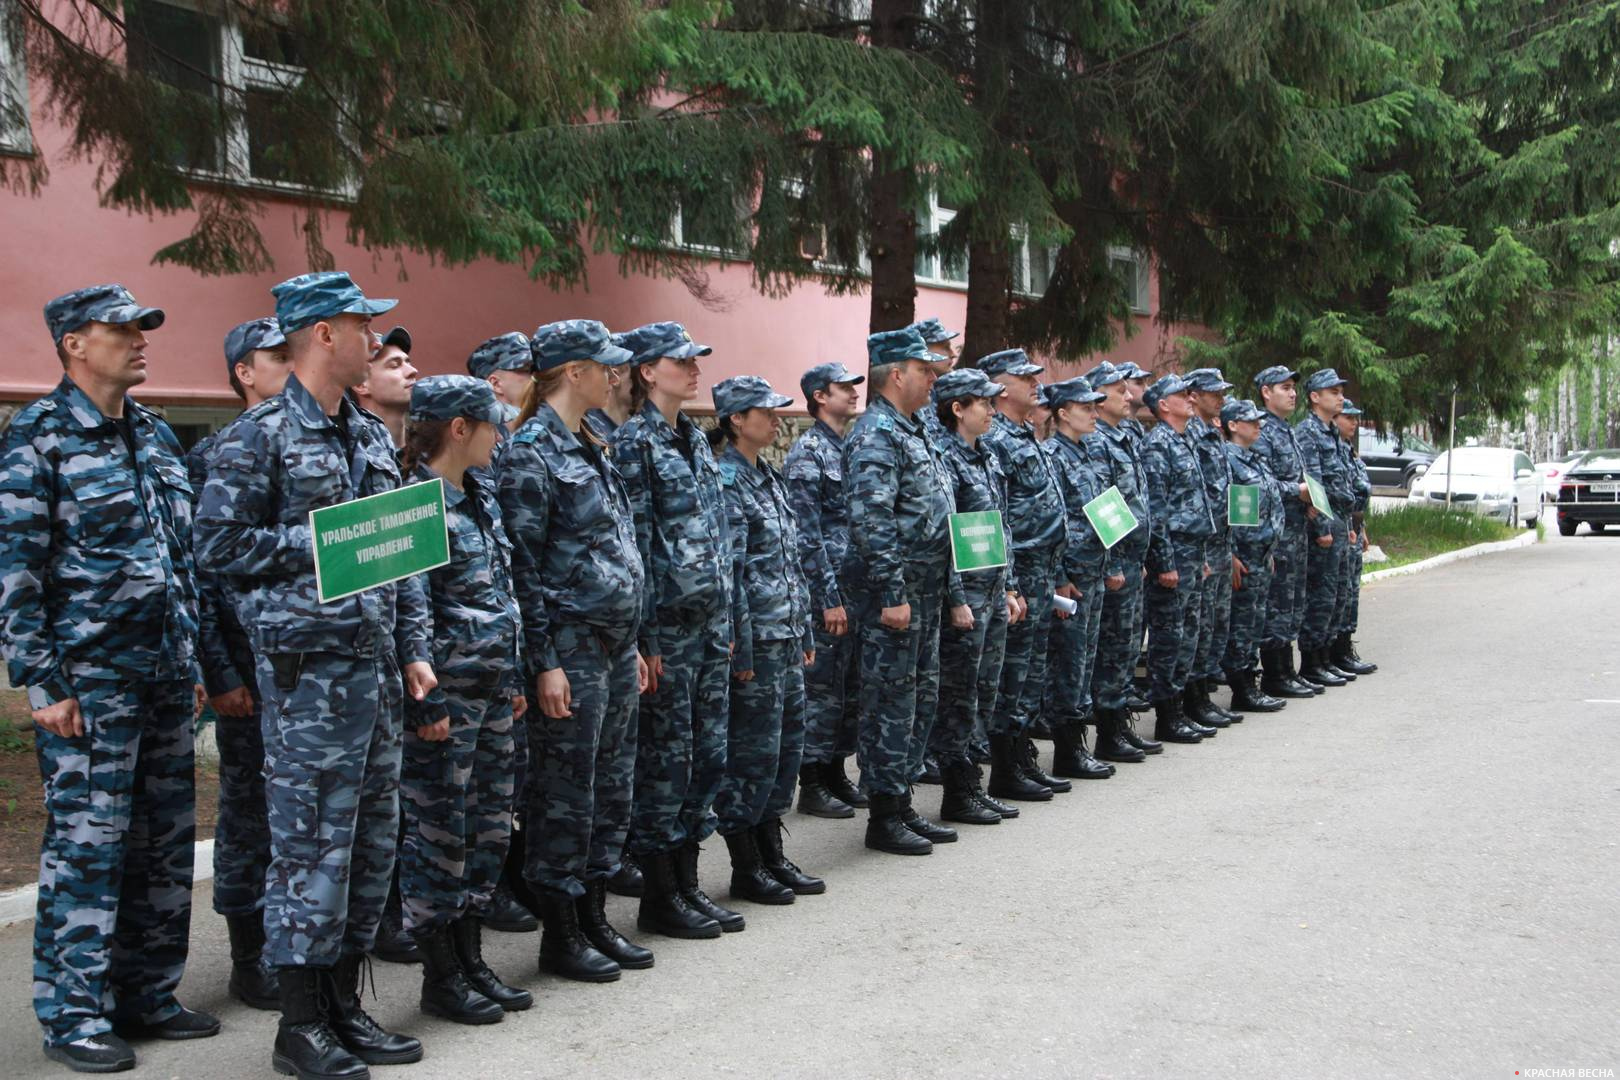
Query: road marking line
[1602, 701]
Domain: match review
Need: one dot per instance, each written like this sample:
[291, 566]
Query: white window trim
[15, 138]
[1143, 276]
[930, 220]
[1022, 252]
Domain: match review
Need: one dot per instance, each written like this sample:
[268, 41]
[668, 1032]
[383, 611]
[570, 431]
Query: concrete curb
[1450, 557]
[18, 905]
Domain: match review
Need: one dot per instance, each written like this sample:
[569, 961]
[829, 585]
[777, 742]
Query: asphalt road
[1414, 876]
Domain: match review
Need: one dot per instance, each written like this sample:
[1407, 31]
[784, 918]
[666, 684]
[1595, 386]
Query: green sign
[977, 541]
[1319, 497]
[1110, 516]
[1243, 504]
[380, 538]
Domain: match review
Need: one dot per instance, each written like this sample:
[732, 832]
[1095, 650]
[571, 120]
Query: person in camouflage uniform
[1137, 380]
[773, 643]
[506, 362]
[578, 577]
[257, 365]
[898, 567]
[815, 480]
[456, 783]
[1252, 548]
[1343, 652]
[943, 360]
[98, 624]
[1075, 640]
[1328, 555]
[1215, 594]
[1285, 606]
[674, 488]
[1036, 519]
[1183, 528]
[970, 659]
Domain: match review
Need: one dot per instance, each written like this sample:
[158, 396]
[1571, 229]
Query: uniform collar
[755, 471]
[453, 496]
[302, 404]
[552, 426]
[882, 404]
[1026, 428]
[828, 432]
[661, 427]
[87, 415]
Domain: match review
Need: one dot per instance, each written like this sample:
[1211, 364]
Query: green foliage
[1410, 533]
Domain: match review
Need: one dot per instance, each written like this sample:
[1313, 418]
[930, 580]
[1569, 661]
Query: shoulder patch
[883, 422]
[728, 472]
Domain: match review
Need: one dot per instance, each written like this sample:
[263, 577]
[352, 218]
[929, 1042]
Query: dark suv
[1590, 492]
[1394, 460]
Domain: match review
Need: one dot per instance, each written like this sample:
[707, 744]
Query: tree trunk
[989, 292]
[894, 221]
[997, 31]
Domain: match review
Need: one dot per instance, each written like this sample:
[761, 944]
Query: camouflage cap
[1133, 370]
[1350, 408]
[965, 382]
[895, 346]
[1207, 380]
[308, 298]
[399, 338]
[97, 303]
[1325, 379]
[503, 352]
[445, 397]
[659, 339]
[1167, 385]
[932, 331]
[1236, 410]
[250, 336]
[1106, 374]
[1008, 362]
[743, 392]
[1072, 391]
[824, 375]
[558, 343]
[1276, 373]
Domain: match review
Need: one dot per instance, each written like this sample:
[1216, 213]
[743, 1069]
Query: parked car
[1489, 480]
[1394, 461]
[1552, 474]
[1590, 492]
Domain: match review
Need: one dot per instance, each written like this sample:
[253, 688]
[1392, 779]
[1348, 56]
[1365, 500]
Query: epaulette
[33, 411]
[883, 422]
[728, 472]
[526, 435]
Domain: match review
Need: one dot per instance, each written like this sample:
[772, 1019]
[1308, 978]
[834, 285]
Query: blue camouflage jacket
[673, 484]
[977, 484]
[1319, 450]
[1177, 491]
[473, 620]
[1211, 447]
[1081, 478]
[95, 571]
[574, 554]
[899, 506]
[273, 465]
[1035, 505]
[772, 600]
[1361, 484]
[1248, 466]
[1280, 447]
[223, 647]
[1119, 456]
[815, 480]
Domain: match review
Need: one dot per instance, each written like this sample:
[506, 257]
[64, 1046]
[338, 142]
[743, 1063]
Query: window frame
[1022, 252]
[930, 220]
[1142, 275]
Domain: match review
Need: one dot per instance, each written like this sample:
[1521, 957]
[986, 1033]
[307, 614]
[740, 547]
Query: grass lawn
[1413, 533]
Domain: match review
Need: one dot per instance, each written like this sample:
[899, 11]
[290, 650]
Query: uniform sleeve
[955, 592]
[32, 659]
[218, 636]
[804, 495]
[1310, 454]
[1079, 530]
[1269, 450]
[413, 621]
[1160, 559]
[523, 488]
[631, 459]
[434, 706]
[237, 533]
[872, 478]
[742, 619]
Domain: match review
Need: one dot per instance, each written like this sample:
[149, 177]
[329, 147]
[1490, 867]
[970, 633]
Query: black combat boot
[1316, 671]
[467, 934]
[931, 831]
[814, 797]
[664, 909]
[749, 879]
[886, 832]
[445, 989]
[1206, 694]
[686, 879]
[930, 773]
[1127, 729]
[1071, 758]
[1280, 680]
[960, 802]
[1029, 756]
[354, 1027]
[306, 1046]
[1006, 810]
[1345, 657]
[842, 788]
[1247, 697]
[1326, 655]
[253, 982]
[1113, 738]
[508, 911]
[564, 949]
[1198, 709]
[629, 881]
[1170, 725]
[1007, 777]
[768, 838]
[593, 923]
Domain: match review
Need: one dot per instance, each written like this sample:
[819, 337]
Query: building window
[1131, 268]
[946, 267]
[15, 136]
[1032, 265]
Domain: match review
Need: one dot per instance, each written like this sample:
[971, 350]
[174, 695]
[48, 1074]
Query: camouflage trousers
[1173, 615]
[1285, 606]
[681, 739]
[1325, 589]
[1023, 674]
[582, 767]
[765, 742]
[1215, 611]
[1075, 643]
[1352, 607]
[833, 696]
[242, 835]
[114, 910]
[1120, 637]
[455, 797]
[331, 725]
[1248, 610]
[899, 687]
[970, 667]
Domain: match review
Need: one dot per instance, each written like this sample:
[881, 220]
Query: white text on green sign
[1111, 516]
[978, 541]
[1243, 505]
[367, 542]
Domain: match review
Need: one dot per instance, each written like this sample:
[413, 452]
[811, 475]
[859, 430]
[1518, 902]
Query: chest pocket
[105, 503]
[175, 487]
[677, 487]
[581, 502]
[312, 481]
[468, 553]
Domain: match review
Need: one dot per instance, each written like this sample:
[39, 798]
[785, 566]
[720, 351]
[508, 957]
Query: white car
[1552, 474]
[1489, 480]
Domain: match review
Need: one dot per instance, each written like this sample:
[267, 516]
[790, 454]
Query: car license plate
[1611, 487]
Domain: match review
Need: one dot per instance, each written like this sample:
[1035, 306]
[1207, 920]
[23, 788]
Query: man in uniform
[1137, 379]
[98, 623]
[943, 360]
[1252, 547]
[815, 483]
[329, 674]
[1285, 605]
[1215, 598]
[386, 390]
[1039, 528]
[1344, 654]
[257, 365]
[1328, 554]
[506, 362]
[1183, 528]
[897, 567]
